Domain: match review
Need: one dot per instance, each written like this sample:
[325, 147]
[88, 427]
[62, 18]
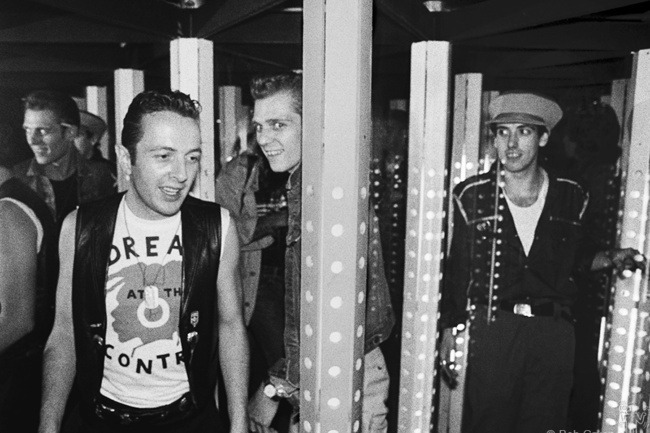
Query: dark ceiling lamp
[447, 5]
[185, 4]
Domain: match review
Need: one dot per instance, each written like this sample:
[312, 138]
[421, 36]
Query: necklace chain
[141, 265]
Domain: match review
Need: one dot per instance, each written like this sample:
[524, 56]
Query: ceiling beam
[495, 61]
[48, 66]
[596, 36]
[23, 81]
[150, 16]
[502, 16]
[69, 29]
[410, 15]
[588, 72]
[230, 13]
[273, 28]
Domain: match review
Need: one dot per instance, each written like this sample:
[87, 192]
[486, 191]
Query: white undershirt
[30, 213]
[526, 218]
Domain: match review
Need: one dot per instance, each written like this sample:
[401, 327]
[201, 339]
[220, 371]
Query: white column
[336, 149]
[97, 103]
[425, 228]
[128, 83]
[625, 385]
[465, 155]
[191, 72]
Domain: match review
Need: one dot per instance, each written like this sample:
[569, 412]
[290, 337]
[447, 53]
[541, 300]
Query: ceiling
[547, 45]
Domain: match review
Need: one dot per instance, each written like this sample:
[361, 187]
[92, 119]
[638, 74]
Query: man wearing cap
[91, 131]
[517, 240]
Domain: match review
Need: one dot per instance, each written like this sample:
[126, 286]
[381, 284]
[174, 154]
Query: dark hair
[268, 85]
[154, 101]
[62, 105]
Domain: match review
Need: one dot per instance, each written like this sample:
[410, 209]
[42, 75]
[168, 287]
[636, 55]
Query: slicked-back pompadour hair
[154, 101]
[62, 105]
[268, 85]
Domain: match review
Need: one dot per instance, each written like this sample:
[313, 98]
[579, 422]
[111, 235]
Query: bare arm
[17, 274]
[233, 344]
[59, 357]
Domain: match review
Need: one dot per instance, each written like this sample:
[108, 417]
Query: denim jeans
[375, 393]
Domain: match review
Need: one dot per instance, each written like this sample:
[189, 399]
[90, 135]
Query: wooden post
[425, 227]
[192, 72]
[336, 149]
[128, 83]
[626, 387]
[97, 103]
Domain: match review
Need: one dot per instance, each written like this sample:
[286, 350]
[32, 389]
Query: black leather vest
[201, 223]
[47, 268]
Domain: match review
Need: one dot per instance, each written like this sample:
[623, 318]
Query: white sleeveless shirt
[143, 367]
[526, 218]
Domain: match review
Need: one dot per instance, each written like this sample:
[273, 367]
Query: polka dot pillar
[625, 343]
[335, 256]
[425, 223]
[465, 157]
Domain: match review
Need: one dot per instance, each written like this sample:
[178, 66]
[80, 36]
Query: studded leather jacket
[560, 248]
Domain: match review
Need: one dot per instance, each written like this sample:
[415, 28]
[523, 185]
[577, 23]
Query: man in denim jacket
[58, 173]
[278, 124]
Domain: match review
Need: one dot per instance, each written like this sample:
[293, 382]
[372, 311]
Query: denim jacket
[94, 179]
[236, 185]
[379, 312]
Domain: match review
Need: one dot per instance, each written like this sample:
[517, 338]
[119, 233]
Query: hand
[626, 260]
[447, 362]
[261, 411]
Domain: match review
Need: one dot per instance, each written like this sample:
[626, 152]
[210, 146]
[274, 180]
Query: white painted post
[465, 155]
[425, 228]
[192, 72]
[626, 388]
[97, 103]
[336, 149]
[487, 151]
[128, 83]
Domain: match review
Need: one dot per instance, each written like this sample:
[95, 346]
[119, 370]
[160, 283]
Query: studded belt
[117, 413]
[547, 309]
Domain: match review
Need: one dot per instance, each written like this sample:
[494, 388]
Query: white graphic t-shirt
[143, 366]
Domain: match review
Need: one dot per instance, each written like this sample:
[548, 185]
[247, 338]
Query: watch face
[269, 390]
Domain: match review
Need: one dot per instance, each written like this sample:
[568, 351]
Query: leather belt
[117, 413]
[546, 309]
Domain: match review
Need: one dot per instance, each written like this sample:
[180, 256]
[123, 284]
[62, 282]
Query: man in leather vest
[517, 240]
[149, 301]
[28, 270]
[278, 123]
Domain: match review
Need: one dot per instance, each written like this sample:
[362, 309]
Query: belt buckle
[523, 310]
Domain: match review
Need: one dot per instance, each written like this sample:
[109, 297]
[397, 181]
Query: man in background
[91, 130]
[57, 172]
[28, 269]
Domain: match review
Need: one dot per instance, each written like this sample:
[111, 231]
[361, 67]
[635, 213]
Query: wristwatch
[276, 392]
